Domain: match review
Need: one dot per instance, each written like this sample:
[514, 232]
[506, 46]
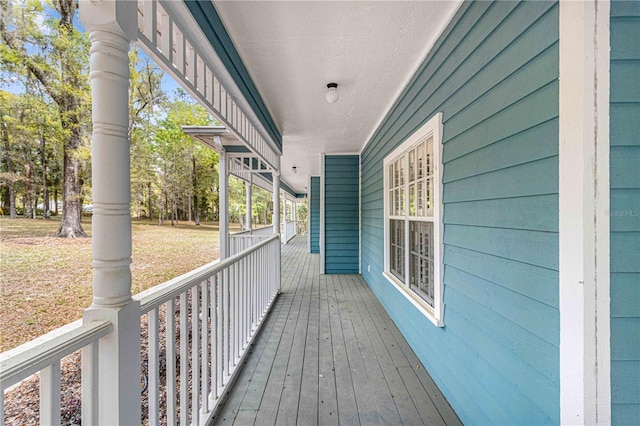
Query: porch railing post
[112, 26]
[276, 203]
[248, 192]
[224, 206]
[278, 268]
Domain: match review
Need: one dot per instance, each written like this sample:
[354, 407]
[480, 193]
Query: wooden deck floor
[329, 354]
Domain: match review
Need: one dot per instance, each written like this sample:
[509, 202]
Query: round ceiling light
[332, 94]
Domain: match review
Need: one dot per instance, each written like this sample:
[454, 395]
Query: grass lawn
[45, 282]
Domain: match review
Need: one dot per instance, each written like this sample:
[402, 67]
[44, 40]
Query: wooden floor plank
[289, 401]
[440, 402]
[270, 402]
[329, 354]
[327, 397]
[308, 404]
[404, 404]
[383, 398]
[367, 410]
[345, 392]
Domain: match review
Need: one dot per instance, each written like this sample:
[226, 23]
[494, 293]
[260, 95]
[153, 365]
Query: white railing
[243, 240]
[289, 231]
[267, 230]
[43, 355]
[209, 317]
[199, 327]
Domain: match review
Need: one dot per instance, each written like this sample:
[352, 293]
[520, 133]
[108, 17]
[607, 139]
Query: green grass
[45, 282]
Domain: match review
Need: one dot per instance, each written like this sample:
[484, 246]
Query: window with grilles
[413, 218]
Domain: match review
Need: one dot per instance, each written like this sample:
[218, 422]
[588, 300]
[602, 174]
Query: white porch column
[585, 383]
[285, 231]
[112, 25]
[224, 206]
[294, 217]
[247, 192]
[275, 219]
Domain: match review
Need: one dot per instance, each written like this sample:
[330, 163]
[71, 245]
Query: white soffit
[292, 49]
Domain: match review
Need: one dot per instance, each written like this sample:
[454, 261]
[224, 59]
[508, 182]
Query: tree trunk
[189, 201]
[28, 193]
[195, 192]
[45, 189]
[69, 109]
[70, 224]
[173, 211]
[55, 200]
[150, 203]
[13, 214]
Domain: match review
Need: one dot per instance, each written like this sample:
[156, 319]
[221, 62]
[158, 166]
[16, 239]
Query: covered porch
[330, 354]
[458, 170]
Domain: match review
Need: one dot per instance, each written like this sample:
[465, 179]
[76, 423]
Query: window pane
[421, 262]
[412, 200]
[396, 249]
[420, 166]
[412, 168]
[402, 201]
[401, 172]
[391, 176]
[420, 197]
[391, 202]
[396, 201]
[393, 170]
[430, 156]
[429, 186]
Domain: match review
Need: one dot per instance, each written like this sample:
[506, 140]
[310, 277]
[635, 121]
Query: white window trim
[435, 314]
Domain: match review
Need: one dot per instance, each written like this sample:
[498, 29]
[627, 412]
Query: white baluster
[50, 394]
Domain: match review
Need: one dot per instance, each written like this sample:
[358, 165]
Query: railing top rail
[25, 360]
[156, 296]
[255, 232]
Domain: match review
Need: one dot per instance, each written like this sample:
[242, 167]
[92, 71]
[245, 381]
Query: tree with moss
[54, 53]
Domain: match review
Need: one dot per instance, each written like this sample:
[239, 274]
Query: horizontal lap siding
[625, 212]
[341, 214]
[314, 214]
[494, 76]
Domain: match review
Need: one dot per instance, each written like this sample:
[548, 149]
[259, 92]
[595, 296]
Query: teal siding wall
[625, 212]
[341, 214]
[314, 214]
[494, 75]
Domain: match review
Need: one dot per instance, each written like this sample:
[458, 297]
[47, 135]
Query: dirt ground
[45, 282]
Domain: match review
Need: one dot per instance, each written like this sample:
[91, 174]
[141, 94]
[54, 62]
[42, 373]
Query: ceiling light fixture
[295, 170]
[332, 94]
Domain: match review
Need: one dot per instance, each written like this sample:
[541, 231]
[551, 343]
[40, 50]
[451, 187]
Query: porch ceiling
[293, 49]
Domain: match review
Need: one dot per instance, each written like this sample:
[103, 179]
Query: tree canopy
[45, 166]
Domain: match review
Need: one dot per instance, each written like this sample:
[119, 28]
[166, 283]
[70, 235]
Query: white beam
[585, 391]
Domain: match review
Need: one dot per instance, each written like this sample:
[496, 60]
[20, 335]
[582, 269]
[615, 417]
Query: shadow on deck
[329, 354]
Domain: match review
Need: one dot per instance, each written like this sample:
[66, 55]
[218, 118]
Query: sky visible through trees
[45, 130]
